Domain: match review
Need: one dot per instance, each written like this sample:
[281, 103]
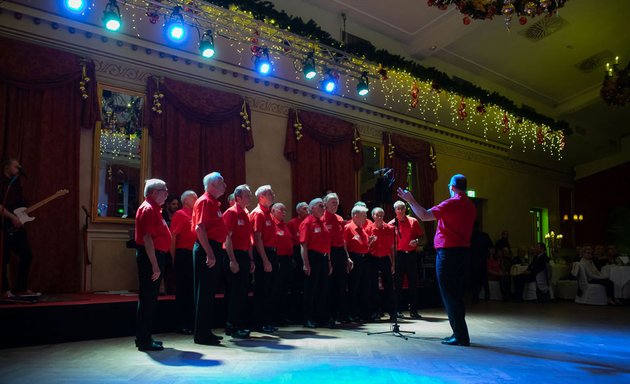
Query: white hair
[238, 191]
[360, 204]
[277, 206]
[399, 203]
[313, 203]
[300, 205]
[186, 194]
[152, 184]
[331, 195]
[211, 178]
[262, 190]
[376, 210]
[358, 209]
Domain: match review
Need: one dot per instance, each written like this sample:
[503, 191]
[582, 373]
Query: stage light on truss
[308, 66]
[206, 45]
[175, 27]
[262, 62]
[363, 87]
[111, 16]
[330, 81]
[75, 6]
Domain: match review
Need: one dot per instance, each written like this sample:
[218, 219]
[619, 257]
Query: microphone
[21, 171]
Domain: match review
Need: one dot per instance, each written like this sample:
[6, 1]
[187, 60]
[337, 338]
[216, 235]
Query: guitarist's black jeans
[17, 242]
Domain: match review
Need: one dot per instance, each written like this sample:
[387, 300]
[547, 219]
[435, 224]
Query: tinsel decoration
[506, 123]
[157, 96]
[540, 136]
[461, 110]
[432, 157]
[246, 123]
[481, 108]
[355, 141]
[298, 127]
[390, 147]
[84, 80]
[414, 95]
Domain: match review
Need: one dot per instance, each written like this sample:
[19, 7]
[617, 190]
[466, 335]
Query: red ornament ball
[522, 20]
[466, 20]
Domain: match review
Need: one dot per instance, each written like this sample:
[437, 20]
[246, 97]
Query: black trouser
[519, 284]
[297, 284]
[18, 243]
[148, 293]
[359, 286]
[608, 284]
[452, 266]
[239, 282]
[338, 296]
[185, 294]
[384, 266]
[283, 287]
[206, 283]
[264, 283]
[407, 264]
[316, 288]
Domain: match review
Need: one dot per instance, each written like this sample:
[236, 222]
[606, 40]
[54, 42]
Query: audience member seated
[612, 255]
[595, 276]
[497, 272]
[599, 256]
[539, 264]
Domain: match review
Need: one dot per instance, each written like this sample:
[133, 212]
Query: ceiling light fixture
[363, 87]
[175, 27]
[111, 16]
[616, 87]
[206, 44]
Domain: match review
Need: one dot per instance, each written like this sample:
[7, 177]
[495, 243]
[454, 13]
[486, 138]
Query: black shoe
[310, 324]
[415, 315]
[448, 338]
[154, 341]
[240, 334]
[267, 329]
[210, 339]
[455, 341]
[151, 346]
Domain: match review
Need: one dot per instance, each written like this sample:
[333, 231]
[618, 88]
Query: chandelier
[487, 9]
[616, 86]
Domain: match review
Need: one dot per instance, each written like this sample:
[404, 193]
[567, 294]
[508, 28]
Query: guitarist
[14, 237]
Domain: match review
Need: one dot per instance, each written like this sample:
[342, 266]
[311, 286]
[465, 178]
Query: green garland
[265, 10]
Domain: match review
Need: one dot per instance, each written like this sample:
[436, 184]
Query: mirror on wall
[119, 165]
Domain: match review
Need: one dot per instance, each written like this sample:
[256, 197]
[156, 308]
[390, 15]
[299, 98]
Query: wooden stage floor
[559, 342]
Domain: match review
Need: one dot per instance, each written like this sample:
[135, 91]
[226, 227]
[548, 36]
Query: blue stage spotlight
[111, 16]
[175, 27]
[330, 81]
[262, 62]
[308, 66]
[363, 87]
[75, 6]
[206, 44]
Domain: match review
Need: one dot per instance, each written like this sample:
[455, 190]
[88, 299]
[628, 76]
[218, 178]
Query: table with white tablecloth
[620, 276]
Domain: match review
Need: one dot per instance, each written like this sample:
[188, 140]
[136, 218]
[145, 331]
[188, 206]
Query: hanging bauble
[506, 123]
[522, 20]
[530, 8]
[545, 3]
[481, 109]
[508, 8]
[466, 20]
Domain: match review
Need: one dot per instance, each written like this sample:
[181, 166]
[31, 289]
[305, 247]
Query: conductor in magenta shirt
[455, 217]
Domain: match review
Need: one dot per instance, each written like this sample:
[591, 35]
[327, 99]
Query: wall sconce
[576, 217]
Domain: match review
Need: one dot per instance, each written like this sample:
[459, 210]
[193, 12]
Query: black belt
[315, 253]
[272, 249]
[406, 252]
[358, 254]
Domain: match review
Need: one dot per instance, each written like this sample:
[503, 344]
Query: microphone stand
[395, 327]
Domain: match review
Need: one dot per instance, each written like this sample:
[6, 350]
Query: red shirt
[367, 224]
[334, 223]
[455, 222]
[314, 235]
[382, 246]
[263, 222]
[149, 221]
[207, 211]
[355, 238]
[284, 239]
[181, 226]
[409, 229]
[237, 221]
[294, 227]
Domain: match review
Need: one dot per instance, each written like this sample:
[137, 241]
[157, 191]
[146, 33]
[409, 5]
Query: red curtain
[419, 152]
[323, 158]
[41, 112]
[199, 131]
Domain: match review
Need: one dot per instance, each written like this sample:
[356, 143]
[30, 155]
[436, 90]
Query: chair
[566, 289]
[495, 291]
[541, 288]
[593, 294]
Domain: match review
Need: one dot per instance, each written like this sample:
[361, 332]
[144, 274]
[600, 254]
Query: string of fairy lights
[262, 42]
